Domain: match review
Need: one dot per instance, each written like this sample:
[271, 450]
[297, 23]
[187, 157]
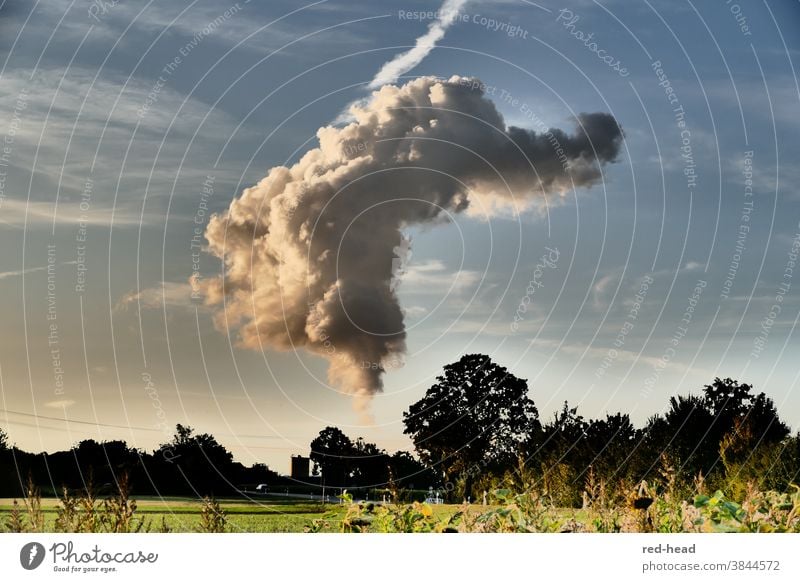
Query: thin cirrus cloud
[65, 116]
[432, 278]
[59, 404]
[21, 213]
[167, 294]
[23, 272]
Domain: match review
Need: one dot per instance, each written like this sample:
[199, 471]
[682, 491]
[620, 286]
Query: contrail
[404, 62]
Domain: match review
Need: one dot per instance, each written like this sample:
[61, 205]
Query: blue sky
[96, 109]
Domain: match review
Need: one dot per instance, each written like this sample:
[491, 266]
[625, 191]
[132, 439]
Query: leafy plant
[68, 514]
[720, 513]
[33, 507]
[119, 510]
[15, 522]
[212, 517]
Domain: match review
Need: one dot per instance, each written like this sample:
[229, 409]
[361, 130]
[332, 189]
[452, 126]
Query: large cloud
[309, 251]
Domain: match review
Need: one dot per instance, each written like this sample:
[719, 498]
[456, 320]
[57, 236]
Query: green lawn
[182, 514]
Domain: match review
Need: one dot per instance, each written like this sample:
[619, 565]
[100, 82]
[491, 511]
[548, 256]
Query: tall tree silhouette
[473, 419]
[609, 441]
[734, 406]
[197, 461]
[370, 464]
[333, 451]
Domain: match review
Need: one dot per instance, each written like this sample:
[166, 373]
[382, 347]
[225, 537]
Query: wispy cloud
[251, 21]
[432, 277]
[20, 273]
[606, 286]
[44, 213]
[169, 294]
[61, 404]
[590, 353]
[76, 126]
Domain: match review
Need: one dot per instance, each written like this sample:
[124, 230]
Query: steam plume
[310, 250]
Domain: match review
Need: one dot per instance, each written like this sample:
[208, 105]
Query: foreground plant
[119, 510]
[366, 516]
[517, 513]
[212, 517]
[664, 506]
[760, 512]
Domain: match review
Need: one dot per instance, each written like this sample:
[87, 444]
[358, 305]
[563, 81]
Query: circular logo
[31, 555]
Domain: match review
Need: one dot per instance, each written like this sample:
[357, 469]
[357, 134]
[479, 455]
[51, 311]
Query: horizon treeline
[475, 430]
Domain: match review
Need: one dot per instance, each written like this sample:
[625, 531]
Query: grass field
[182, 514]
[760, 511]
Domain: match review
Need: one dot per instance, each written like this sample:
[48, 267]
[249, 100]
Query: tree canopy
[474, 418]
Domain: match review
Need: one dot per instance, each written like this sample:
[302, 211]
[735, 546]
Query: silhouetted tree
[764, 422]
[476, 421]
[727, 400]
[407, 472]
[333, 451]
[609, 442]
[196, 461]
[562, 453]
[733, 405]
[473, 419]
[689, 437]
[370, 464]
[564, 436]
[102, 463]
